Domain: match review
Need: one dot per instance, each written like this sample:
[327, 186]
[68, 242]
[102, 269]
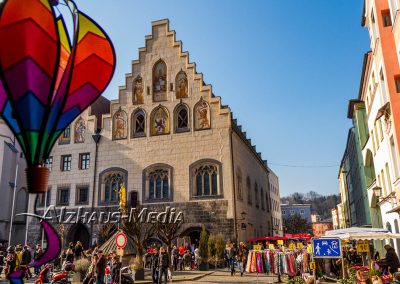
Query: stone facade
[170, 142]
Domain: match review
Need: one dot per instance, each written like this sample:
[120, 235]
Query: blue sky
[286, 68]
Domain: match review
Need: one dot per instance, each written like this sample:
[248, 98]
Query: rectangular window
[393, 9]
[291, 212]
[397, 82]
[83, 195]
[44, 199]
[383, 86]
[388, 177]
[63, 196]
[49, 163]
[387, 21]
[66, 162]
[65, 136]
[394, 158]
[380, 128]
[84, 161]
[283, 212]
[302, 212]
[384, 187]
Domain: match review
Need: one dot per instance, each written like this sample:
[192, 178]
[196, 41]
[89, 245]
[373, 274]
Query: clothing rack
[276, 262]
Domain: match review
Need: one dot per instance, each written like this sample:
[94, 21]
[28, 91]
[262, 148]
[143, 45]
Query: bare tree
[167, 232]
[139, 231]
[105, 232]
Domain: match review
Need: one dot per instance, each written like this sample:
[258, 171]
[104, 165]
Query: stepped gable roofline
[238, 130]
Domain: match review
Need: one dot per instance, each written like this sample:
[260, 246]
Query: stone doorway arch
[79, 232]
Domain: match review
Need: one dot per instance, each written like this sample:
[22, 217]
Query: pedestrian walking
[26, 259]
[164, 264]
[241, 257]
[115, 270]
[1, 262]
[100, 269]
[175, 257]
[11, 261]
[154, 263]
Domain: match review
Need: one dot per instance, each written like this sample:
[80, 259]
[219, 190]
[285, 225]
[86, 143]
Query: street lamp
[377, 190]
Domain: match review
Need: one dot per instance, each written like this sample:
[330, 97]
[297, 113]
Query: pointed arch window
[138, 124]
[158, 183]
[111, 181]
[80, 130]
[119, 125]
[202, 118]
[256, 199]
[182, 118]
[248, 187]
[239, 184]
[159, 120]
[262, 199]
[160, 81]
[181, 85]
[206, 179]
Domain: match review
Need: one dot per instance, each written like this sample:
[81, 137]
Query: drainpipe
[233, 186]
[96, 138]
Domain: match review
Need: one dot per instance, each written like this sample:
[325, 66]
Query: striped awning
[361, 233]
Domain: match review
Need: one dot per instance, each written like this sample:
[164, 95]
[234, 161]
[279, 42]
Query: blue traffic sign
[326, 248]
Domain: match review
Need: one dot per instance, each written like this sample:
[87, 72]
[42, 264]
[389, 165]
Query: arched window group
[111, 182]
[159, 121]
[206, 178]
[157, 183]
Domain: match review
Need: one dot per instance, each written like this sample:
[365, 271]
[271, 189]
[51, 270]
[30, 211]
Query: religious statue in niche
[80, 130]
[181, 85]
[202, 113]
[160, 81]
[120, 125]
[160, 122]
[138, 91]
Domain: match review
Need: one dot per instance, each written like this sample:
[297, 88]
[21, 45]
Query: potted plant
[203, 247]
[81, 267]
[211, 250]
[219, 249]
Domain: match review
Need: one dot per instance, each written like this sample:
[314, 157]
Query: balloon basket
[37, 179]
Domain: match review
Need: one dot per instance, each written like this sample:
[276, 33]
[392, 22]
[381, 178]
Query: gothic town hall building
[171, 142]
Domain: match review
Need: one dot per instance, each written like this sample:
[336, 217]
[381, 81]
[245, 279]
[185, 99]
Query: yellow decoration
[292, 246]
[280, 242]
[312, 265]
[362, 246]
[309, 248]
[122, 197]
[299, 245]
[257, 247]
[120, 252]
[271, 246]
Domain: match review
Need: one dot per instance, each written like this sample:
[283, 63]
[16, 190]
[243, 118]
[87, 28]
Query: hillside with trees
[320, 204]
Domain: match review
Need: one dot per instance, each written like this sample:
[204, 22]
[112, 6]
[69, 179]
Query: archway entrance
[80, 233]
[193, 235]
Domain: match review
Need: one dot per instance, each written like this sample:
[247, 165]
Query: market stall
[358, 239]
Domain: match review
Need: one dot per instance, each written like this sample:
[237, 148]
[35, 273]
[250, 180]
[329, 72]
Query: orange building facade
[321, 227]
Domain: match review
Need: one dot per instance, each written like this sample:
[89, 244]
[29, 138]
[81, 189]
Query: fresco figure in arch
[120, 125]
[80, 130]
[160, 123]
[138, 91]
[160, 81]
[202, 115]
[181, 85]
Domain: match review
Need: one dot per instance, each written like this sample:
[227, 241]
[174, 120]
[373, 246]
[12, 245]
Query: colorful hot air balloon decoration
[47, 80]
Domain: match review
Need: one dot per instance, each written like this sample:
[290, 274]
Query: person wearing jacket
[163, 263]
[26, 259]
[100, 269]
[115, 270]
[154, 266]
[241, 257]
[391, 259]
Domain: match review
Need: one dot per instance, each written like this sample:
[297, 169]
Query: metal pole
[13, 203]
[45, 207]
[27, 223]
